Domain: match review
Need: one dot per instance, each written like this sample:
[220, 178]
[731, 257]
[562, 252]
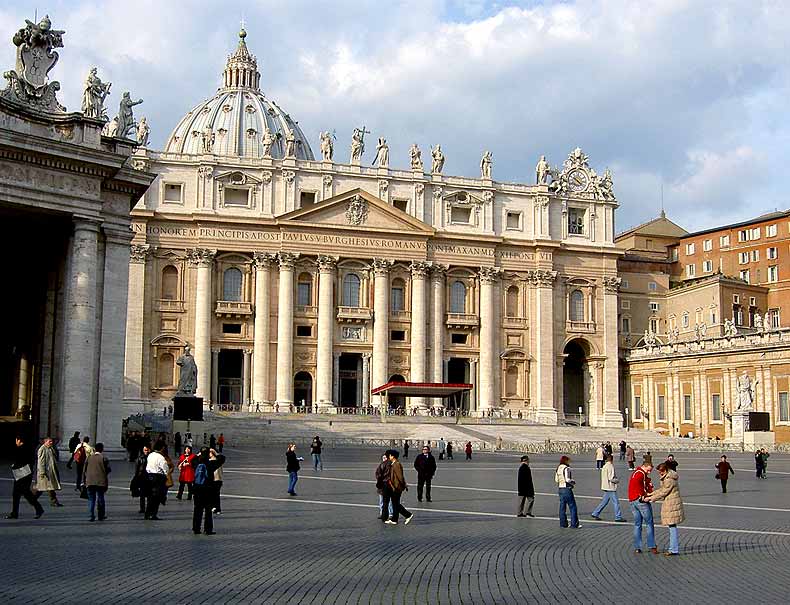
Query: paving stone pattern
[326, 545]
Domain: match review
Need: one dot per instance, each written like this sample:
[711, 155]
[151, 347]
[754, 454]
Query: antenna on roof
[663, 214]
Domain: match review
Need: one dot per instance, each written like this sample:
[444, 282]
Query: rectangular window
[231, 328]
[513, 220]
[654, 307]
[625, 304]
[745, 275]
[654, 326]
[712, 317]
[736, 299]
[707, 245]
[458, 339]
[773, 273]
[784, 411]
[715, 407]
[752, 301]
[402, 205]
[173, 193]
[707, 266]
[743, 235]
[772, 253]
[687, 408]
[303, 294]
[662, 408]
[652, 286]
[637, 407]
[304, 331]
[690, 249]
[626, 322]
[306, 198]
[576, 221]
[396, 299]
[234, 196]
[460, 215]
[755, 255]
[774, 317]
[754, 233]
[649, 244]
[743, 258]
[624, 284]
[674, 255]
[770, 231]
[724, 241]
[691, 270]
[398, 335]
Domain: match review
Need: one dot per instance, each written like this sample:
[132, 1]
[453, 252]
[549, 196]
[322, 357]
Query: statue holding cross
[358, 144]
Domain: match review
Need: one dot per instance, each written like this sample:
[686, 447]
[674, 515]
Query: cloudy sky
[690, 95]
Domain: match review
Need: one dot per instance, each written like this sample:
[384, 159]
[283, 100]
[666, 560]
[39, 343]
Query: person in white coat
[609, 483]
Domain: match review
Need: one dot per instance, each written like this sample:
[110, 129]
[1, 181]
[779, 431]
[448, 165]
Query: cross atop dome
[241, 69]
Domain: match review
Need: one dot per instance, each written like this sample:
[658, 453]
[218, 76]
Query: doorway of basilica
[303, 389]
[396, 402]
[574, 385]
[458, 373]
[229, 376]
[350, 380]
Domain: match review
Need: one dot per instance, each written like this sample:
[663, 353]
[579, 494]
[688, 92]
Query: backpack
[201, 474]
[79, 455]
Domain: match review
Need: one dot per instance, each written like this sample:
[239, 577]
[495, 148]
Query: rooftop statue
[267, 141]
[542, 171]
[207, 138]
[290, 144]
[327, 146]
[415, 156]
[358, 144]
[126, 123]
[485, 165]
[382, 159]
[35, 57]
[111, 128]
[143, 130]
[438, 160]
[94, 95]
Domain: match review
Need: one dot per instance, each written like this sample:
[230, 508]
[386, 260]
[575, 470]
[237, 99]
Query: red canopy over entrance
[422, 389]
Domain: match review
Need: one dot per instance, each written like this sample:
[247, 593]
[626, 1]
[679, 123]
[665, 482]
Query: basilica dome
[233, 122]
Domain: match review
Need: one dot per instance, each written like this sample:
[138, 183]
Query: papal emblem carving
[357, 211]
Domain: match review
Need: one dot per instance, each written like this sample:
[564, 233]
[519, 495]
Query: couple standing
[391, 483]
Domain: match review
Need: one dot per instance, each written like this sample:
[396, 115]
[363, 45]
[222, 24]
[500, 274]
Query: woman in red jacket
[186, 473]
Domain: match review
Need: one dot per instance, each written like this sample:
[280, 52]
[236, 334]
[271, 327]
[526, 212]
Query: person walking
[723, 470]
[315, 452]
[47, 476]
[292, 466]
[425, 465]
[382, 478]
[394, 490]
[758, 463]
[23, 479]
[599, 456]
[609, 481]
[468, 450]
[73, 443]
[449, 450]
[97, 469]
[765, 455]
[218, 480]
[672, 508]
[639, 487]
[171, 466]
[442, 448]
[81, 453]
[630, 457]
[186, 473]
[622, 450]
[139, 483]
[526, 489]
[406, 446]
[563, 477]
[212, 442]
[671, 463]
[205, 491]
[156, 469]
[221, 442]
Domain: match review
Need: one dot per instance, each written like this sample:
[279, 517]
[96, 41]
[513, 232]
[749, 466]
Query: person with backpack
[205, 490]
[186, 473]
[563, 477]
[81, 453]
[73, 443]
[292, 467]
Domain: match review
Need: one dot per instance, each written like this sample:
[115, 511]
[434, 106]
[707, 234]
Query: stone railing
[233, 308]
[754, 340]
[580, 326]
[514, 322]
[354, 313]
[400, 315]
[305, 311]
[462, 320]
[170, 305]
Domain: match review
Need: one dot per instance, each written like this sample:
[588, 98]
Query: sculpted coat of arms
[357, 211]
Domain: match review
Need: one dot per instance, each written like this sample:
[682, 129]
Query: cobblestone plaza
[467, 546]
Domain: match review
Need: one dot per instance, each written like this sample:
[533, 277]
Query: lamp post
[581, 416]
[627, 425]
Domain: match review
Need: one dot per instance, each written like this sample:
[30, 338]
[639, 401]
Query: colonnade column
[203, 259]
[488, 354]
[135, 309]
[285, 330]
[215, 375]
[473, 379]
[381, 312]
[419, 341]
[326, 329]
[246, 373]
[366, 379]
[336, 378]
[543, 281]
[437, 327]
[79, 359]
[260, 348]
[612, 416]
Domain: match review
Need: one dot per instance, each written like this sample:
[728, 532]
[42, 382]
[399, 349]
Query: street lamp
[581, 416]
[627, 425]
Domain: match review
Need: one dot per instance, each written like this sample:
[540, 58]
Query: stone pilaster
[215, 375]
[543, 282]
[326, 329]
[437, 328]
[381, 312]
[260, 356]
[203, 259]
[246, 376]
[489, 358]
[473, 400]
[336, 378]
[285, 330]
[366, 379]
[79, 360]
[612, 416]
[135, 310]
[419, 341]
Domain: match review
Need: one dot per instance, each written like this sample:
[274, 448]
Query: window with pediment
[231, 284]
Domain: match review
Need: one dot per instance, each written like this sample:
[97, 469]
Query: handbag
[83, 492]
[21, 472]
[717, 476]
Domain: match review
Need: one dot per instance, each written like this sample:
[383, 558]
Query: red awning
[422, 389]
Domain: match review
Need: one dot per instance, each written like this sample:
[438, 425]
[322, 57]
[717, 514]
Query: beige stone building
[65, 196]
[309, 281]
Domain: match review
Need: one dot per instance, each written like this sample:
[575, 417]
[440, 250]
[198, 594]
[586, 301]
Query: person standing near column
[139, 483]
[73, 443]
[156, 468]
[97, 469]
[47, 478]
[609, 481]
[526, 489]
[23, 479]
[425, 465]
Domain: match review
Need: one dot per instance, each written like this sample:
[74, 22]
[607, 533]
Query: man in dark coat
[425, 465]
[526, 490]
[23, 479]
[205, 490]
[73, 443]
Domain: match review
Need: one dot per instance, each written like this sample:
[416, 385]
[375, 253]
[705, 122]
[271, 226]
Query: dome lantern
[241, 69]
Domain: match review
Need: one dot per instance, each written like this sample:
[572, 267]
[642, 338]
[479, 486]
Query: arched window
[231, 284]
[165, 365]
[458, 297]
[511, 302]
[170, 283]
[397, 301]
[304, 290]
[577, 306]
[351, 290]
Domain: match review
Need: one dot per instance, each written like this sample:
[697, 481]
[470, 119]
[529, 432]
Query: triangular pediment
[356, 210]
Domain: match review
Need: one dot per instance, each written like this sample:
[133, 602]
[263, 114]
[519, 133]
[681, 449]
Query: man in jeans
[638, 487]
[609, 481]
[563, 477]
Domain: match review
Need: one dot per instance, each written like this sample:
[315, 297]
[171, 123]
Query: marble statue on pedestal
[111, 128]
[758, 321]
[382, 159]
[767, 321]
[485, 165]
[94, 95]
[730, 329]
[745, 393]
[438, 160]
[187, 380]
[542, 170]
[126, 123]
[327, 146]
[143, 131]
[358, 144]
[415, 156]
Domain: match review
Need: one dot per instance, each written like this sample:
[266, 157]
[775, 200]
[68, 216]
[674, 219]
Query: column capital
[542, 278]
[327, 263]
[419, 269]
[201, 257]
[381, 266]
[367, 356]
[489, 275]
[612, 284]
[138, 253]
[86, 224]
[438, 272]
[336, 354]
[117, 235]
[287, 260]
[263, 260]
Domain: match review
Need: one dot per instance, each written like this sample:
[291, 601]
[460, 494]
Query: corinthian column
[133, 358]
[419, 341]
[326, 328]
[612, 416]
[488, 352]
[381, 312]
[203, 259]
[543, 281]
[437, 327]
[285, 329]
[260, 348]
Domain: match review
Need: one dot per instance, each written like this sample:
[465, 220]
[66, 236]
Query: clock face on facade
[578, 180]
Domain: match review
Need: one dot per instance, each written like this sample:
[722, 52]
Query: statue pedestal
[188, 407]
[740, 425]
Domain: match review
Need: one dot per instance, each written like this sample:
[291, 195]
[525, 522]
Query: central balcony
[586, 327]
[354, 314]
[233, 308]
[462, 320]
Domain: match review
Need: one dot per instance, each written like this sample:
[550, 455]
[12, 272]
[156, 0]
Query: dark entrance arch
[303, 389]
[397, 402]
[458, 372]
[573, 370]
